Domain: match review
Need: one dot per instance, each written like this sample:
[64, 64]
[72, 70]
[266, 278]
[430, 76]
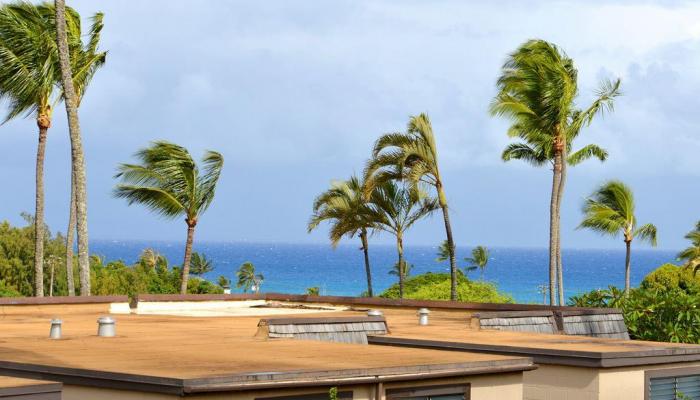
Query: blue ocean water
[291, 268]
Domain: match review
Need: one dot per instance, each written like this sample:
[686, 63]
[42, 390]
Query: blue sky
[294, 94]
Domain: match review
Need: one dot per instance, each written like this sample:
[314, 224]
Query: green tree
[344, 206]
[691, 254]
[223, 281]
[399, 207]
[313, 291]
[200, 264]
[443, 255]
[247, 278]
[396, 271]
[479, 259]
[537, 90]
[29, 74]
[169, 182]
[610, 211]
[74, 81]
[412, 156]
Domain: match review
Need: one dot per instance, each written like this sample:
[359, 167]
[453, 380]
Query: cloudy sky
[294, 94]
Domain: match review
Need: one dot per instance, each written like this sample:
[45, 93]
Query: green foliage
[436, 286]
[691, 254]
[248, 279]
[313, 291]
[407, 268]
[223, 281]
[664, 308]
[333, 393]
[479, 259]
[200, 264]
[150, 274]
[672, 277]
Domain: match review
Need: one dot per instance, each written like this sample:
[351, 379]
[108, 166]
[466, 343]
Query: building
[273, 346]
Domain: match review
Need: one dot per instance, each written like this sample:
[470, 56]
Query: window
[673, 387]
[344, 395]
[443, 392]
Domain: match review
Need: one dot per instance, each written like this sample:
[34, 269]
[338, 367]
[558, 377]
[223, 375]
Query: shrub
[436, 286]
[672, 277]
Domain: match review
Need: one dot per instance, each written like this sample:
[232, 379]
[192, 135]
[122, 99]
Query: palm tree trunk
[368, 271]
[77, 155]
[560, 268]
[554, 230]
[53, 266]
[188, 255]
[628, 262]
[402, 270]
[43, 123]
[69, 240]
[442, 199]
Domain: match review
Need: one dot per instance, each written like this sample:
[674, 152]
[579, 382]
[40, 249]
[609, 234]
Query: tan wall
[556, 382]
[484, 387]
[552, 382]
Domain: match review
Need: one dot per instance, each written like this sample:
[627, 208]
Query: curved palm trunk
[560, 268]
[402, 270]
[450, 242]
[69, 240]
[43, 123]
[188, 255]
[628, 262]
[554, 229]
[77, 155]
[368, 271]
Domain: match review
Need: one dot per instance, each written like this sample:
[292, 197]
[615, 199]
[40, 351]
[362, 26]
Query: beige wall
[484, 387]
[552, 382]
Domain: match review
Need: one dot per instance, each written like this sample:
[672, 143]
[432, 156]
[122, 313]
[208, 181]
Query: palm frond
[585, 153]
[647, 233]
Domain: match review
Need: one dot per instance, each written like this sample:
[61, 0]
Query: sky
[294, 94]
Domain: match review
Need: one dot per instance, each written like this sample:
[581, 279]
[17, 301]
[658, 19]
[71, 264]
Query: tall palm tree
[479, 259]
[413, 156]
[85, 59]
[610, 211]
[691, 254]
[72, 92]
[29, 73]
[537, 90]
[344, 206]
[28, 82]
[169, 182]
[400, 207]
[247, 277]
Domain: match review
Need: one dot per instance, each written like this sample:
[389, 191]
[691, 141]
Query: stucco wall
[484, 387]
[552, 382]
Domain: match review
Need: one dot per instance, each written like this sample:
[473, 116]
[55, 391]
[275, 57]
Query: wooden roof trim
[595, 359]
[251, 381]
[320, 320]
[369, 301]
[62, 300]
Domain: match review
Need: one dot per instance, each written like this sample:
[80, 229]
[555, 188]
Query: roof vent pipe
[423, 316]
[375, 313]
[55, 332]
[106, 327]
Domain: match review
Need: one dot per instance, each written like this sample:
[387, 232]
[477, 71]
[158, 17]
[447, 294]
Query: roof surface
[185, 354]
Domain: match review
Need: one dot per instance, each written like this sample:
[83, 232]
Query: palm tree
[413, 156]
[610, 211]
[247, 278]
[537, 90]
[223, 281]
[691, 255]
[344, 206]
[74, 84]
[200, 264]
[400, 207]
[397, 271]
[443, 255]
[27, 82]
[170, 183]
[479, 259]
[85, 60]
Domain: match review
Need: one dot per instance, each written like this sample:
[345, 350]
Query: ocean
[291, 268]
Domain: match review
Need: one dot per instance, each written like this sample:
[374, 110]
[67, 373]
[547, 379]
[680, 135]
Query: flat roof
[449, 330]
[183, 355]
